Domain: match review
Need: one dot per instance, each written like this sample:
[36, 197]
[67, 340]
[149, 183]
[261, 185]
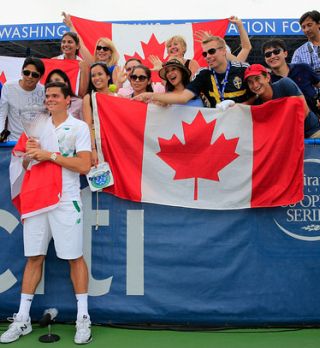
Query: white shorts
[64, 224]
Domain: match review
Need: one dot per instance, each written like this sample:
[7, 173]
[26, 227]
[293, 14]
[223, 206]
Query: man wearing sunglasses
[221, 81]
[275, 54]
[21, 97]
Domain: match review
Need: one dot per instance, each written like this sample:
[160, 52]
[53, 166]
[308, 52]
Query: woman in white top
[70, 46]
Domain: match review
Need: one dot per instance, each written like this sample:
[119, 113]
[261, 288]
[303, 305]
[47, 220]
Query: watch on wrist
[53, 156]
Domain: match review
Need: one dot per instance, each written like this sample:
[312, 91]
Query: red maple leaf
[153, 47]
[3, 78]
[198, 158]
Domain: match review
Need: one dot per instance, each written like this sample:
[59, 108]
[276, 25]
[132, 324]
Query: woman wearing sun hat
[177, 76]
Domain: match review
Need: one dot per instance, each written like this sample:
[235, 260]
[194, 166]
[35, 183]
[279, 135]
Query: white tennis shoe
[83, 333]
[16, 329]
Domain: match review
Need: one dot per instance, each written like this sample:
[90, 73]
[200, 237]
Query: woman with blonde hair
[176, 49]
[105, 51]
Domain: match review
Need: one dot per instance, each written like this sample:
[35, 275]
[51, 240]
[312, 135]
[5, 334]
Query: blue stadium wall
[167, 265]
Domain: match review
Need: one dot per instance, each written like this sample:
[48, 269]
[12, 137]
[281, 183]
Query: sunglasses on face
[276, 51]
[138, 77]
[32, 73]
[210, 51]
[103, 48]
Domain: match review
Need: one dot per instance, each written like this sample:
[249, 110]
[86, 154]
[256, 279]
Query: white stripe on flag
[11, 67]
[142, 33]
[232, 191]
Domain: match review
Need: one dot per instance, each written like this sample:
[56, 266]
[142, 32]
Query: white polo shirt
[73, 136]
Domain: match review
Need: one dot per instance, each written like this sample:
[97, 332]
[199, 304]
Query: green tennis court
[104, 336]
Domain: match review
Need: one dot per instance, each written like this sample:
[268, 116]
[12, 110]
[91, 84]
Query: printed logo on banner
[302, 220]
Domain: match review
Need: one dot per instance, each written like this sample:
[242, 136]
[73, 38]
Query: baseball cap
[254, 69]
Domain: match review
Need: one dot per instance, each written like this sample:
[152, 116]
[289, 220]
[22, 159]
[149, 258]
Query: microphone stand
[49, 337]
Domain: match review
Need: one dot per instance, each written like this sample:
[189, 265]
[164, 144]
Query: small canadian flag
[39, 188]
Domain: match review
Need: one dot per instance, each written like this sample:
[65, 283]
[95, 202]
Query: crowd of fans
[224, 81]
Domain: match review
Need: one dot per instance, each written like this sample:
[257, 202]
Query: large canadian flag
[247, 156]
[142, 40]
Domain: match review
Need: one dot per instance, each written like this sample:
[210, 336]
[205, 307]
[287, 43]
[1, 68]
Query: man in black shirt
[221, 80]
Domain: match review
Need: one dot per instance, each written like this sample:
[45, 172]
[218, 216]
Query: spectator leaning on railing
[258, 79]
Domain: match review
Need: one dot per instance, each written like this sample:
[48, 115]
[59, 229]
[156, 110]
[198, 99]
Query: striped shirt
[309, 54]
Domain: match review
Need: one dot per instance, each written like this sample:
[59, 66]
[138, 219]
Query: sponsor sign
[54, 31]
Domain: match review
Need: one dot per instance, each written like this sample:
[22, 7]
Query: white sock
[82, 305]
[25, 305]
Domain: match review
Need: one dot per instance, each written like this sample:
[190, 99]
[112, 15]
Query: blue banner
[54, 31]
[160, 264]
